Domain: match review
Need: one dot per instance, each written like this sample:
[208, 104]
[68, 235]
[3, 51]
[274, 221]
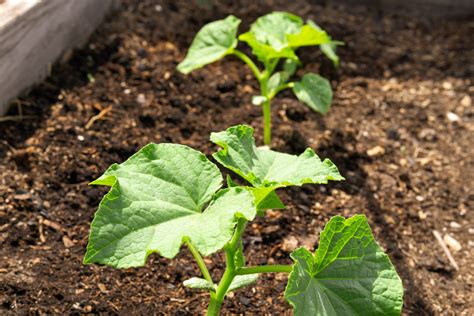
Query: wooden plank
[34, 34]
[433, 8]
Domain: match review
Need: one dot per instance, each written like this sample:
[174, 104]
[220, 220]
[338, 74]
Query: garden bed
[399, 130]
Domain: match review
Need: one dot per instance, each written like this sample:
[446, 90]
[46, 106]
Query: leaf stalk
[249, 63]
[275, 268]
[199, 260]
[230, 271]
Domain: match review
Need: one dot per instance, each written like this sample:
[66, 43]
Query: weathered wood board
[436, 8]
[34, 33]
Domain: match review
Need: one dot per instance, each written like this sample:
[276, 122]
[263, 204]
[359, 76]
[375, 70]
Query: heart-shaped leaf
[348, 275]
[157, 198]
[314, 91]
[267, 168]
[212, 42]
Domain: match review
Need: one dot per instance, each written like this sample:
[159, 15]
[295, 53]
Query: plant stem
[199, 260]
[249, 62]
[267, 123]
[265, 269]
[230, 272]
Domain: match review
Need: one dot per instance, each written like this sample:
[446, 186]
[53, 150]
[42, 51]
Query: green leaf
[157, 198]
[198, 283]
[290, 66]
[315, 91]
[266, 198]
[348, 275]
[241, 281]
[277, 79]
[272, 29]
[230, 182]
[212, 42]
[267, 168]
[308, 36]
[266, 52]
[328, 49]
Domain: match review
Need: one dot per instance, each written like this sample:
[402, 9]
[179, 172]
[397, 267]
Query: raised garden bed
[399, 130]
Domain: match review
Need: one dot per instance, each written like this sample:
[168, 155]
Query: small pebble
[453, 117]
[141, 99]
[452, 243]
[376, 151]
[466, 101]
[422, 215]
[454, 225]
[447, 85]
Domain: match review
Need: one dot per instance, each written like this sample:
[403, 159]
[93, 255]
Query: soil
[400, 131]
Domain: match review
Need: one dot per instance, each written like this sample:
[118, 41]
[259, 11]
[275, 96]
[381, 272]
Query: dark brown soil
[398, 80]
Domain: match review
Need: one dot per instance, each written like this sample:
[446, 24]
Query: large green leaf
[157, 197]
[272, 29]
[315, 91]
[267, 168]
[267, 36]
[212, 42]
[348, 275]
[308, 36]
[265, 52]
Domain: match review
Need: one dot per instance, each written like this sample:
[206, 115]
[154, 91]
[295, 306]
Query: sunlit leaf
[314, 91]
[212, 42]
[348, 275]
[157, 198]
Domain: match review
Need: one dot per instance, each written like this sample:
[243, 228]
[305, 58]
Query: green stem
[249, 62]
[230, 272]
[267, 123]
[199, 260]
[265, 269]
[214, 307]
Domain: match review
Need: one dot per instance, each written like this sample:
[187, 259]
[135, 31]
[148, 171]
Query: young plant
[273, 38]
[167, 195]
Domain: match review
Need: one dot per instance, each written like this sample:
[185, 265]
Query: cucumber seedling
[274, 39]
[169, 195]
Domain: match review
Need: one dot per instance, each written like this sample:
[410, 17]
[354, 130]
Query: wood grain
[34, 33]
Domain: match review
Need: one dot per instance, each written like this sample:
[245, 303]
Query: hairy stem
[199, 260]
[249, 62]
[230, 270]
[265, 269]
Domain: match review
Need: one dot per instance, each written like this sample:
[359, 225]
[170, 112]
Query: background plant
[273, 38]
[167, 195]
